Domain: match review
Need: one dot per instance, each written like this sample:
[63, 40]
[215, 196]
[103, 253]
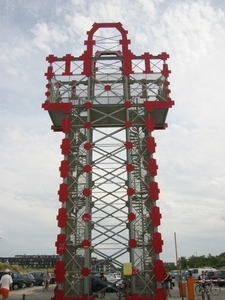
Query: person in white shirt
[202, 279]
[46, 278]
[6, 285]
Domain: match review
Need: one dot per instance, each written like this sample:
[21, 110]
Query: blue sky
[190, 152]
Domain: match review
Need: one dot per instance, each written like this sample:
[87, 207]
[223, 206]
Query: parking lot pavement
[32, 293]
[36, 293]
[175, 293]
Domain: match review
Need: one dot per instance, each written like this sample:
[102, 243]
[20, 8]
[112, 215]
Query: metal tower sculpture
[108, 102]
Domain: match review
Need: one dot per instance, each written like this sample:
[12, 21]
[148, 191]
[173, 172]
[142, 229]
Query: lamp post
[175, 241]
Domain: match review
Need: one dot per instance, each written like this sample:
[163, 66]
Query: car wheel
[15, 286]
[32, 284]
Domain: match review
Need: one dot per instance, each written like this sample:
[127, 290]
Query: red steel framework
[108, 102]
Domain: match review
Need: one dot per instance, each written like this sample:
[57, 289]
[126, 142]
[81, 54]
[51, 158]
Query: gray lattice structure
[108, 102]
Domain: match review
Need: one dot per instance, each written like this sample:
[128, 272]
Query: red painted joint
[87, 168]
[128, 145]
[128, 124]
[132, 243]
[85, 271]
[63, 192]
[131, 216]
[88, 105]
[87, 146]
[87, 125]
[86, 192]
[129, 167]
[130, 191]
[86, 217]
[154, 191]
[61, 244]
[85, 244]
[107, 87]
[127, 104]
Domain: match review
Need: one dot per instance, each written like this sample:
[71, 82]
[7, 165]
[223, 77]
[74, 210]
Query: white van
[198, 271]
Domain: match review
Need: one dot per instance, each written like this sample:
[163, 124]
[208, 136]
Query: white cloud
[46, 35]
[190, 152]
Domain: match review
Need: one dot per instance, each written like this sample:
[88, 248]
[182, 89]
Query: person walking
[166, 284]
[6, 285]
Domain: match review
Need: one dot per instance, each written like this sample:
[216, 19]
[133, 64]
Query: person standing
[46, 278]
[202, 276]
[126, 283]
[103, 277]
[6, 285]
[202, 279]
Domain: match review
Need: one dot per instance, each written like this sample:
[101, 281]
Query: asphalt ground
[37, 293]
[32, 293]
[176, 294]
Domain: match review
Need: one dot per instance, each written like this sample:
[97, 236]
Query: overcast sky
[190, 152]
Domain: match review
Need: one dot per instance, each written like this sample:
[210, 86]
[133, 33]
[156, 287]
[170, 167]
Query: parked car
[173, 273]
[196, 272]
[97, 284]
[210, 275]
[117, 275]
[38, 275]
[17, 278]
[111, 281]
[28, 279]
[220, 277]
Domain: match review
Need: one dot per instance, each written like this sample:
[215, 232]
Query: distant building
[32, 261]
[103, 265]
[49, 261]
[169, 264]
